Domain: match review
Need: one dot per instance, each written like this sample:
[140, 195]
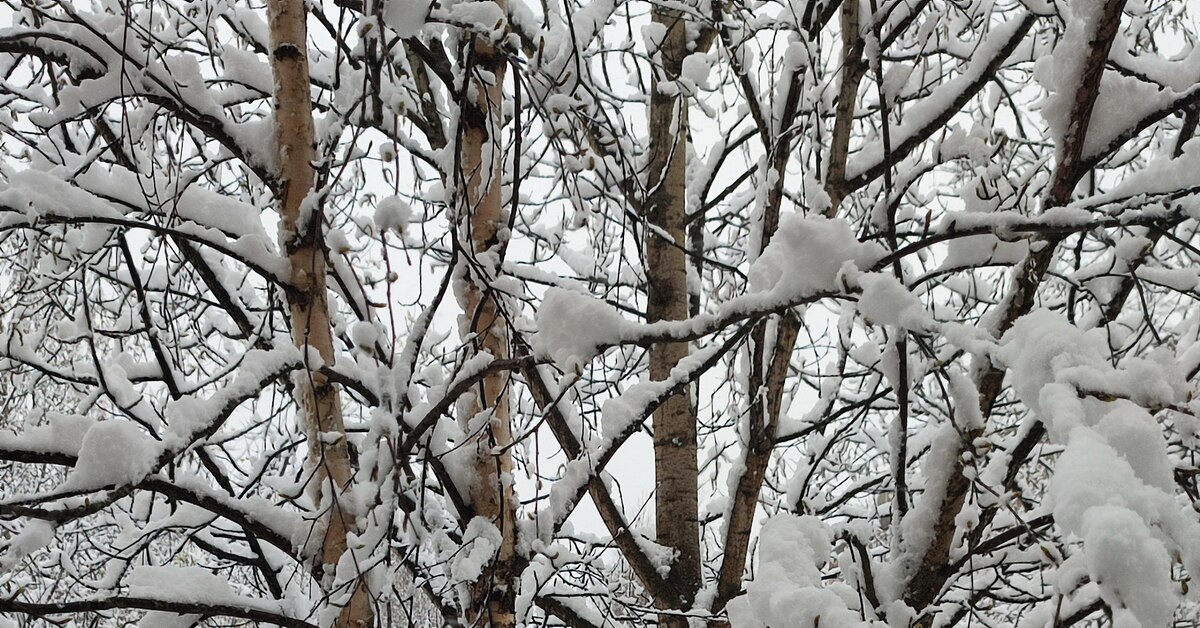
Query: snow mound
[806, 254]
[572, 328]
[112, 453]
[787, 590]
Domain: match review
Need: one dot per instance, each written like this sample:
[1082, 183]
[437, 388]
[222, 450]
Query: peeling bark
[300, 231]
[482, 218]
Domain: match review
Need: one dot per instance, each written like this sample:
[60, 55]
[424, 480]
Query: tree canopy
[759, 313]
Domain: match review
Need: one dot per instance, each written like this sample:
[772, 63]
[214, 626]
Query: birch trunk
[675, 465]
[493, 595]
[300, 232]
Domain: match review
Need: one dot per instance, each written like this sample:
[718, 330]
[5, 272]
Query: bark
[853, 70]
[768, 373]
[675, 460]
[482, 218]
[300, 231]
[768, 376]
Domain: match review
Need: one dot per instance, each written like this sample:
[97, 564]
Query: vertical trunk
[491, 494]
[675, 464]
[768, 371]
[843, 124]
[300, 231]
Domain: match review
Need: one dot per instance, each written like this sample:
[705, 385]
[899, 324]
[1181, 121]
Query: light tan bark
[300, 230]
[491, 494]
[675, 464]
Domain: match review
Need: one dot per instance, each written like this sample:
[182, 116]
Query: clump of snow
[561, 103]
[804, 541]
[364, 335]
[481, 540]
[63, 434]
[406, 17]
[796, 55]
[1180, 279]
[572, 328]
[917, 527]
[246, 67]
[886, 301]
[1112, 485]
[178, 584]
[653, 35]
[1138, 439]
[112, 452]
[34, 536]
[387, 151]
[806, 254]
[1091, 474]
[787, 589]
[967, 414]
[1131, 567]
[1123, 101]
[619, 412]
[485, 17]
[1060, 72]
[695, 68]
[1054, 362]
[392, 213]
[1038, 345]
[1161, 175]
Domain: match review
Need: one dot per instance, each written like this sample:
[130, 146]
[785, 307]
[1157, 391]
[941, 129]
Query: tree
[301, 216]
[393, 312]
[676, 507]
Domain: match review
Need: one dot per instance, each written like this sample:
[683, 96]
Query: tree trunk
[481, 219]
[300, 232]
[675, 464]
[843, 124]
